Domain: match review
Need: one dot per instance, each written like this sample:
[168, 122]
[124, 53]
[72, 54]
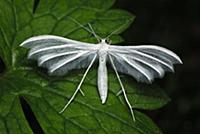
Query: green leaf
[46, 95]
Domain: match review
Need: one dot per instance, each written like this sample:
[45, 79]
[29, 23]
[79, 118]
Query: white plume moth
[60, 55]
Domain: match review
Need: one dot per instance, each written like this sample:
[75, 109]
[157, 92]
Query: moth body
[102, 80]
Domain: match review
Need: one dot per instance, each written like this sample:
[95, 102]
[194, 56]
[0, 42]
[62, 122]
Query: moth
[60, 55]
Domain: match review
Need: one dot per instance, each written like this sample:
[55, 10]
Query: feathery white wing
[59, 54]
[145, 62]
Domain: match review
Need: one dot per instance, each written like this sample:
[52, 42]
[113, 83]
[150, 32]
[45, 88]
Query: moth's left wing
[58, 54]
[144, 62]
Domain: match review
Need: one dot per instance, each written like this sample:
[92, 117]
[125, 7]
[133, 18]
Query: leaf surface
[47, 95]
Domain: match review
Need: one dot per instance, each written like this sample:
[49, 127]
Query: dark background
[174, 24]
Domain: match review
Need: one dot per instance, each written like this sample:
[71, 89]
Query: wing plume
[149, 62]
[59, 55]
[128, 67]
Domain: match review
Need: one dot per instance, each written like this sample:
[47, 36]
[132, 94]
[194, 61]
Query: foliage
[46, 95]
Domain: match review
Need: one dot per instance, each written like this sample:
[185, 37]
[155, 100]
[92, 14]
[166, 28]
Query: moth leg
[85, 77]
[82, 92]
[123, 89]
[79, 86]
[120, 92]
[109, 41]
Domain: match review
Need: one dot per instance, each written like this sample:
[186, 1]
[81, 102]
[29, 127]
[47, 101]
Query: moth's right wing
[59, 55]
[144, 62]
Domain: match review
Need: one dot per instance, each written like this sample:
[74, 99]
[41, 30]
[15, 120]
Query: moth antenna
[79, 86]
[115, 31]
[78, 23]
[90, 31]
[93, 32]
[123, 89]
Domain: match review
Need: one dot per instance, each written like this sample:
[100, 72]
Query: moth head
[105, 41]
